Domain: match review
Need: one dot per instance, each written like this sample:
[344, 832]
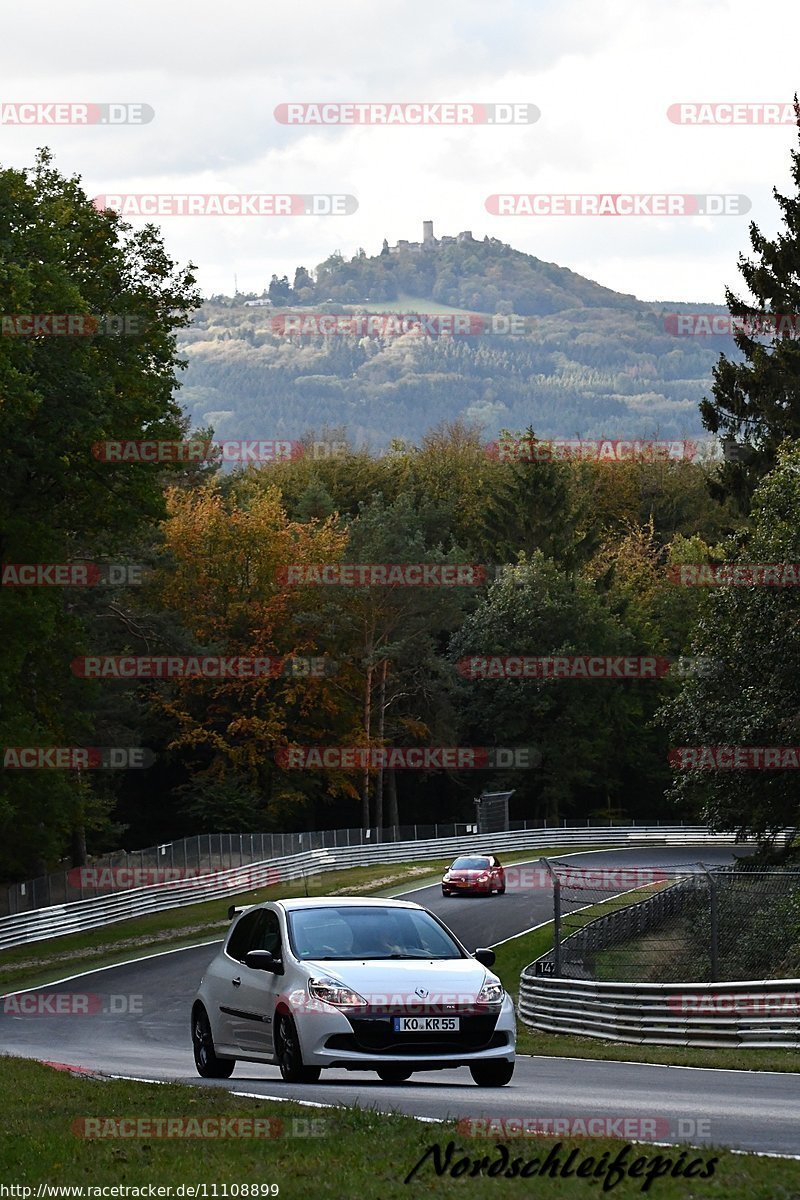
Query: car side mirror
[263, 960]
[484, 956]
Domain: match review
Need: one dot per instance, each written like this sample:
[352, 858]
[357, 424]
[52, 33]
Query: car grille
[374, 1032]
[416, 1045]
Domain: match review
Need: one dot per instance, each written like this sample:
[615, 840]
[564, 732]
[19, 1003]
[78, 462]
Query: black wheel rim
[202, 1041]
[288, 1046]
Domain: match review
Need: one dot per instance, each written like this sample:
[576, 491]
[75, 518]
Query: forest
[554, 561]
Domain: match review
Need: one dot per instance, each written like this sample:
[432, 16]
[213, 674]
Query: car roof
[344, 902]
[477, 854]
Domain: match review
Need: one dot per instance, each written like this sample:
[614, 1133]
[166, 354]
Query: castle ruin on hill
[429, 242]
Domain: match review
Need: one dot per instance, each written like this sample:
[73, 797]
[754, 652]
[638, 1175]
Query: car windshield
[359, 933]
[470, 864]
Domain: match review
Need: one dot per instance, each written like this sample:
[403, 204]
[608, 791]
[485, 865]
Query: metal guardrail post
[714, 912]
[556, 917]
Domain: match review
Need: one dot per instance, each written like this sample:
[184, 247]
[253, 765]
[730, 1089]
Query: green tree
[280, 291]
[534, 506]
[302, 279]
[60, 396]
[748, 696]
[589, 732]
[756, 402]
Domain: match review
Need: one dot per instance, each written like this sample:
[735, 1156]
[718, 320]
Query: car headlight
[491, 993]
[330, 991]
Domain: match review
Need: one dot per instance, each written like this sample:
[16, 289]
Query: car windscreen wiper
[425, 954]
[377, 957]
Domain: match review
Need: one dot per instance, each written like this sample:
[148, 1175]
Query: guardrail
[206, 852]
[747, 1013]
[203, 853]
[80, 915]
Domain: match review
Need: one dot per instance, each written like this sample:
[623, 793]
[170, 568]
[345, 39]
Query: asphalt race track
[753, 1111]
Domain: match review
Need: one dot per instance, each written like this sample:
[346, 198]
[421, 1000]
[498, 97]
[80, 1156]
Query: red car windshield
[470, 864]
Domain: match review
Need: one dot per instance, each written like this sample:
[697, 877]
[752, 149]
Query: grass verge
[354, 1152]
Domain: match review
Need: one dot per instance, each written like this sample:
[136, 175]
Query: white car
[359, 984]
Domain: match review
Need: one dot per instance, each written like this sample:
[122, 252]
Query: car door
[226, 970]
[257, 991]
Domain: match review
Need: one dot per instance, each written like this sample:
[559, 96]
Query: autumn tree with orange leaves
[222, 578]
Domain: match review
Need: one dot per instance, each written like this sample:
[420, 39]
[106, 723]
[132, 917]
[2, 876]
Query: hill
[586, 361]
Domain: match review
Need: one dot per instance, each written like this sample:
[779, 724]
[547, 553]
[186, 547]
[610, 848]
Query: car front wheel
[495, 1073]
[290, 1059]
[205, 1058]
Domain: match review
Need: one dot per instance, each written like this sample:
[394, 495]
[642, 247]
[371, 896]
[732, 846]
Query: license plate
[426, 1024]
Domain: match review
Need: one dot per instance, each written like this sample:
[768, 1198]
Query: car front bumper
[333, 1040]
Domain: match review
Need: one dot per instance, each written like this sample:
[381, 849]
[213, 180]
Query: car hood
[401, 977]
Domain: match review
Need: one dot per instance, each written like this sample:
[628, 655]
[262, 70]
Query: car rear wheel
[394, 1074]
[205, 1057]
[290, 1059]
[494, 1073]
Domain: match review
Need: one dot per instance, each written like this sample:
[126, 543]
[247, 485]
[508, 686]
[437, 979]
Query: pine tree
[756, 401]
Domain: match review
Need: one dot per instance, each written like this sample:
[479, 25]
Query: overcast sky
[602, 72]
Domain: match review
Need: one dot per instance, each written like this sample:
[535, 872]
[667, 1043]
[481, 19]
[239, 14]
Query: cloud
[603, 76]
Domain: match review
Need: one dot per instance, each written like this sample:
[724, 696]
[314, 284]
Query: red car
[474, 873]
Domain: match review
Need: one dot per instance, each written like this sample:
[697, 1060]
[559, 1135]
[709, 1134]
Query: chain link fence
[699, 924]
[207, 853]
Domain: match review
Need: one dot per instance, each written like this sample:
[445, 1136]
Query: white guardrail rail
[747, 1013]
[79, 915]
